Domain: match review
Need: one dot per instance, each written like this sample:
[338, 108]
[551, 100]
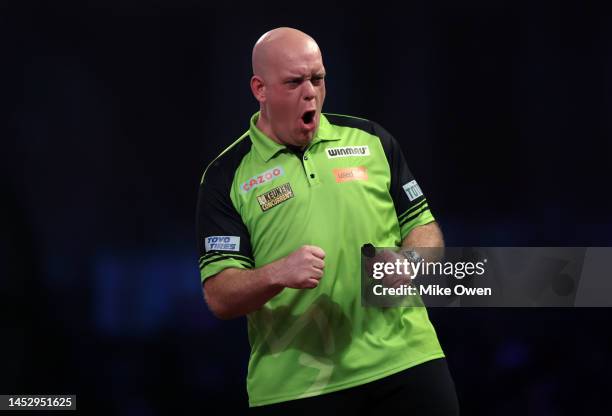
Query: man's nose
[309, 90]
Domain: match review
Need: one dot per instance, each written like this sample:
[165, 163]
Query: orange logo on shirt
[357, 173]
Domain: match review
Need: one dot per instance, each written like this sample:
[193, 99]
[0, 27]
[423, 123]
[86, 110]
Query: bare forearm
[424, 237]
[237, 292]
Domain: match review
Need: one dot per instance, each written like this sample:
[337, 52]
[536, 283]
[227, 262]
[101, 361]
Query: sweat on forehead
[276, 46]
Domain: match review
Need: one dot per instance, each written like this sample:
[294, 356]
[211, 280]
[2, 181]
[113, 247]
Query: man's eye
[317, 80]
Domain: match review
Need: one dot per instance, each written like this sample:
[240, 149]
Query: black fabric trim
[228, 162]
[238, 259]
[389, 144]
[346, 121]
[414, 207]
[413, 216]
[227, 254]
[215, 213]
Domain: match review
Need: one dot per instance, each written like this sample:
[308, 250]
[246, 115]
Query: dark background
[111, 110]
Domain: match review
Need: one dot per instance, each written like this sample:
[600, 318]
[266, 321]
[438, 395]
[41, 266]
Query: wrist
[273, 274]
[412, 255]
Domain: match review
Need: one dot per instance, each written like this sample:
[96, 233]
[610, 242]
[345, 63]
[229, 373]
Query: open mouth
[308, 117]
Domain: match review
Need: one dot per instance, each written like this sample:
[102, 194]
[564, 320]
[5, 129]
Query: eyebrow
[320, 74]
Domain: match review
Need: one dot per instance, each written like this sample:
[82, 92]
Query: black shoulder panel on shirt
[347, 121]
[216, 214]
[225, 165]
[388, 142]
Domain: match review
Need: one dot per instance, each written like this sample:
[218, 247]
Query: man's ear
[258, 88]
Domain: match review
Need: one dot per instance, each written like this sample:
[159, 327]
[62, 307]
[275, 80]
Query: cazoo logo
[262, 178]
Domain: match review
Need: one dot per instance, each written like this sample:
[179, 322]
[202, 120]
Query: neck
[263, 124]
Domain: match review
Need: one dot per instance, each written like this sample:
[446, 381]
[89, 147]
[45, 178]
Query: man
[282, 215]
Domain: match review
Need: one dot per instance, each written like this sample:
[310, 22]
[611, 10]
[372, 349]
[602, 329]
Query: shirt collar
[268, 148]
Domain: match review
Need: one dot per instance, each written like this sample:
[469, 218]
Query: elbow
[221, 313]
[217, 307]
[436, 237]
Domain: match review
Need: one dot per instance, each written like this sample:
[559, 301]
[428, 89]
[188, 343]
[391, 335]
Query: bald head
[278, 46]
[289, 83]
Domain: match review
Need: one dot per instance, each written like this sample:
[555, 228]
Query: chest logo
[357, 173]
[334, 152]
[275, 196]
[262, 178]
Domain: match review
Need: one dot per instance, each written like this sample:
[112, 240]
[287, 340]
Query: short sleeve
[411, 206]
[223, 238]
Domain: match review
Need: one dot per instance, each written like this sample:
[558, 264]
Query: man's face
[295, 91]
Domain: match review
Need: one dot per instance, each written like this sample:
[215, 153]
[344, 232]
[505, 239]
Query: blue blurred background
[111, 110]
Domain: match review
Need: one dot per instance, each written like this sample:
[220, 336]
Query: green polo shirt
[259, 201]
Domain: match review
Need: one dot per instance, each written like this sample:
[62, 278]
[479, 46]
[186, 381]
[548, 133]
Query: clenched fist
[390, 279]
[303, 268]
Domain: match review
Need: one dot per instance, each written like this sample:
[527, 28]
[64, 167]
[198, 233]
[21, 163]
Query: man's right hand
[303, 268]
[236, 292]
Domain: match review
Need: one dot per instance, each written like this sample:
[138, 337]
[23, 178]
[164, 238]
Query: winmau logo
[334, 152]
[222, 242]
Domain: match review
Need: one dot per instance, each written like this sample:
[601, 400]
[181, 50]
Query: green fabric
[309, 342]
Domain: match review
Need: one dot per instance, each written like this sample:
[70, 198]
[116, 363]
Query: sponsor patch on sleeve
[222, 242]
[334, 152]
[275, 196]
[413, 190]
